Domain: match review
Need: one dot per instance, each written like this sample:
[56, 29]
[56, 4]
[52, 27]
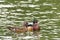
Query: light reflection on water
[47, 12]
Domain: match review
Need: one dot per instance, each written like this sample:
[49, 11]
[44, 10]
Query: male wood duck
[28, 26]
[36, 25]
[33, 26]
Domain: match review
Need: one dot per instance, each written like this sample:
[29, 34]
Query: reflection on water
[13, 13]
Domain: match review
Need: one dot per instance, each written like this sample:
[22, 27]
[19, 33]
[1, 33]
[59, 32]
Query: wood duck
[28, 26]
[33, 25]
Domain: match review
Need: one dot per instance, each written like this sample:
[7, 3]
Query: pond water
[14, 12]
